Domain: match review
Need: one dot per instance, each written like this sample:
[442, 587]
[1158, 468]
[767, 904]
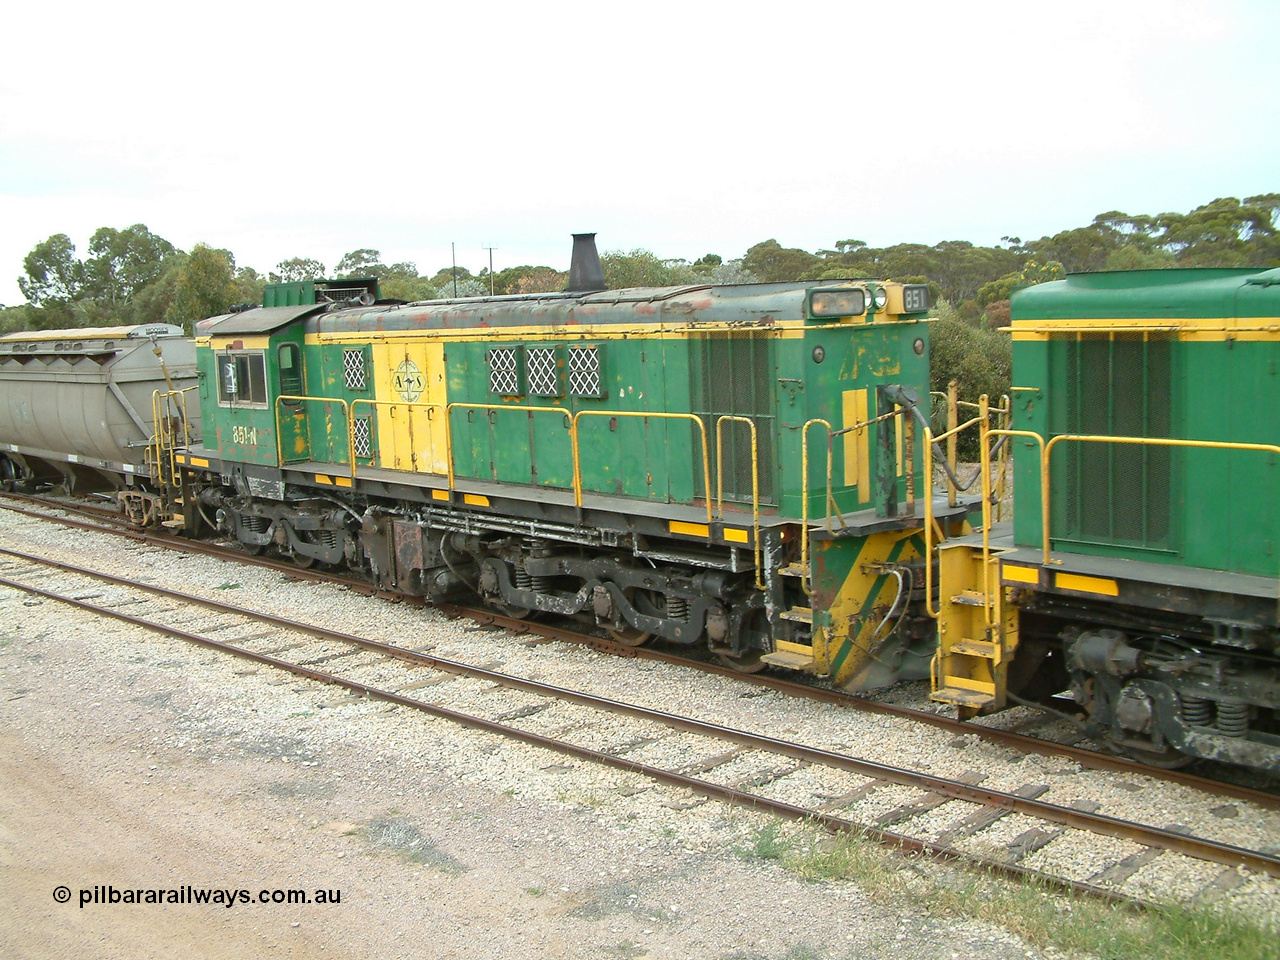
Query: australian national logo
[408, 381]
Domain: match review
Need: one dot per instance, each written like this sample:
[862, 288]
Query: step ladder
[970, 667]
[788, 654]
[176, 521]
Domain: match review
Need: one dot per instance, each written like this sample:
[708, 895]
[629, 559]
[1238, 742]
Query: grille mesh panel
[1115, 385]
[362, 436]
[733, 375]
[544, 377]
[584, 372]
[354, 374]
[504, 371]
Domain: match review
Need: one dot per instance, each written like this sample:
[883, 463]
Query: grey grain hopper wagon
[78, 407]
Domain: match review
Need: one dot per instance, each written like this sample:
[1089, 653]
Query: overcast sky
[279, 130]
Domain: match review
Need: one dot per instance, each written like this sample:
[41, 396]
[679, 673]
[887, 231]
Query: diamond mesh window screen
[504, 371]
[354, 374]
[544, 377]
[584, 372]
[362, 436]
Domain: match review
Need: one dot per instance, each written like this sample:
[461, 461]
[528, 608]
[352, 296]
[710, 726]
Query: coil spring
[327, 538]
[678, 608]
[524, 579]
[1233, 719]
[254, 523]
[1197, 712]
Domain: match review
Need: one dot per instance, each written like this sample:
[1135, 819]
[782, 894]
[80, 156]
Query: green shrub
[977, 357]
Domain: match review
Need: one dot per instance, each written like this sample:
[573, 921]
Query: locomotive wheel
[629, 636]
[755, 630]
[515, 613]
[1164, 759]
[749, 662]
[303, 562]
[647, 602]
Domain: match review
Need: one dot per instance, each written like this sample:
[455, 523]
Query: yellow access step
[976, 648]
[792, 656]
[793, 570]
[961, 697]
[799, 615]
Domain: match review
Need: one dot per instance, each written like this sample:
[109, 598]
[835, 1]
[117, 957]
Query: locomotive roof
[258, 320]
[1176, 294]
[744, 304]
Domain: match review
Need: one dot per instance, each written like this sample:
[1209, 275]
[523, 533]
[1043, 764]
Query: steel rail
[1198, 847]
[705, 788]
[1088, 758]
[1018, 741]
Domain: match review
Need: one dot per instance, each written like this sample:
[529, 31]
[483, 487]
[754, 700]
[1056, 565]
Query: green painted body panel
[1151, 294]
[1213, 509]
[240, 432]
[857, 357]
[649, 458]
[316, 291]
[327, 420]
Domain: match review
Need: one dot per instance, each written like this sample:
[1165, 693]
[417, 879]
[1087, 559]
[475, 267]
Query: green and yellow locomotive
[736, 467]
[1141, 569]
[746, 469]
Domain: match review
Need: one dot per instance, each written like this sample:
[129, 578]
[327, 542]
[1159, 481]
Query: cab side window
[290, 358]
[242, 379]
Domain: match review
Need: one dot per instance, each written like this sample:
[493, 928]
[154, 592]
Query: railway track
[843, 793]
[102, 520]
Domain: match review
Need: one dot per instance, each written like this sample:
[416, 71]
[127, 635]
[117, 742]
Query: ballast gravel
[132, 760]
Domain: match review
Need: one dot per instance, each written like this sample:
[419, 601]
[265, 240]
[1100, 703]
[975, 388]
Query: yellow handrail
[831, 507]
[702, 428]
[929, 521]
[804, 498]
[564, 411]
[393, 404]
[1047, 455]
[346, 413]
[755, 483]
[1044, 488]
[163, 438]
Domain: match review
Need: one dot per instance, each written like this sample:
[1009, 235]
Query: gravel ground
[138, 761]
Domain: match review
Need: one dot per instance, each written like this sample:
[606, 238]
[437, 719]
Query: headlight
[879, 297]
[837, 303]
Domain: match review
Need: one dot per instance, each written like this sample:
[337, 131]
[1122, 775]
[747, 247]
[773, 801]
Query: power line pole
[453, 249]
[490, 249]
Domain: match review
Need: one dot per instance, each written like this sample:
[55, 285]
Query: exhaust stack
[585, 273]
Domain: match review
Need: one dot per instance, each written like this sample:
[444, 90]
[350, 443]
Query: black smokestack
[585, 272]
